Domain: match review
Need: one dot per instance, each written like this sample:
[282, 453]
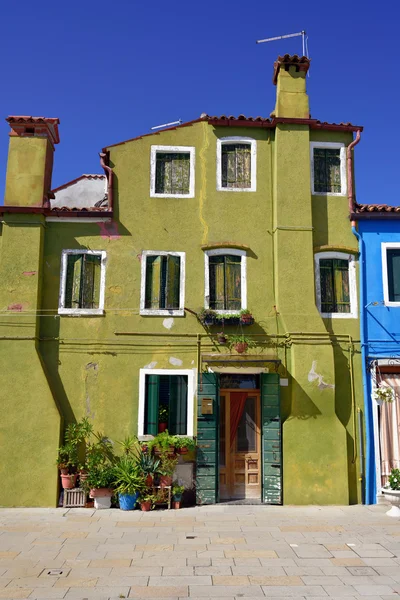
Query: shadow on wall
[299, 405]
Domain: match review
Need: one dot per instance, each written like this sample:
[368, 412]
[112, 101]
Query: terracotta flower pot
[100, 493]
[176, 504]
[162, 427]
[165, 480]
[241, 347]
[222, 339]
[182, 450]
[247, 320]
[145, 506]
[149, 480]
[68, 481]
[64, 470]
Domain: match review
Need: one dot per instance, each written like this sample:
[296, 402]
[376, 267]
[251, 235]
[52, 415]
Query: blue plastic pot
[128, 501]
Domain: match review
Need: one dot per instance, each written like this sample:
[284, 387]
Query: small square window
[236, 166]
[162, 283]
[328, 169]
[172, 172]
[82, 282]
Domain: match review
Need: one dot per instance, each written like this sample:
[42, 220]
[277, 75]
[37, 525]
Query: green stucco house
[125, 297]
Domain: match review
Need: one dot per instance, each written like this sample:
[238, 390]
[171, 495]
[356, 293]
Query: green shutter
[173, 281]
[90, 281]
[271, 438]
[393, 269]
[341, 282]
[172, 173]
[327, 285]
[217, 282]
[73, 281]
[177, 416]
[151, 401]
[153, 282]
[207, 441]
[233, 286]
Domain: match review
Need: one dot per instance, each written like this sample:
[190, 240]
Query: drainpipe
[370, 480]
[109, 174]
[350, 171]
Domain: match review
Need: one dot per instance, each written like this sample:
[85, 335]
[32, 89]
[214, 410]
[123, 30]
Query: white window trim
[63, 282]
[385, 246]
[352, 284]
[178, 149]
[237, 140]
[191, 375]
[243, 265]
[177, 312]
[343, 179]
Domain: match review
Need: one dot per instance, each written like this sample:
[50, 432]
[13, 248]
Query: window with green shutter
[335, 286]
[327, 171]
[236, 166]
[225, 284]
[162, 281]
[169, 393]
[393, 274]
[172, 173]
[82, 283]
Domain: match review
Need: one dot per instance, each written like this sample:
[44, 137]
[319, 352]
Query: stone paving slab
[222, 551]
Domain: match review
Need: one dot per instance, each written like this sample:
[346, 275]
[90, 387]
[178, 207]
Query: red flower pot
[149, 480]
[68, 481]
[241, 347]
[162, 427]
[165, 481]
[145, 506]
[246, 320]
[183, 451]
[100, 493]
[176, 504]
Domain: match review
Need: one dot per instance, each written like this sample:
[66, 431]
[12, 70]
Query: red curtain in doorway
[237, 404]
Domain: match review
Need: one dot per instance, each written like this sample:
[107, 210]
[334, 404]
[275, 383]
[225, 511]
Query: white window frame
[78, 312]
[171, 312]
[352, 284]
[243, 278]
[385, 246]
[175, 149]
[343, 179]
[237, 140]
[191, 375]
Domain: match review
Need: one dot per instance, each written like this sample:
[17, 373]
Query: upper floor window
[328, 168]
[82, 282]
[225, 280]
[336, 285]
[163, 283]
[172, 171]
[391, 273]
[236, 164]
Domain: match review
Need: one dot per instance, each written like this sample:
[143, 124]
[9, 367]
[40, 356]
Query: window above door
[225, 280]
[163, 283]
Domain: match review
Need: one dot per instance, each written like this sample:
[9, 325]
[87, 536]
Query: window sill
[224, 189]
[81, 312]
[148, 438]
[341, 195]
[339, 315]
[146, 312]
[154, 195]
[393, 304]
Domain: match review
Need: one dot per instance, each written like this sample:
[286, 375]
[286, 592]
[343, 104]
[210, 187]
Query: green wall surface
[80, 366]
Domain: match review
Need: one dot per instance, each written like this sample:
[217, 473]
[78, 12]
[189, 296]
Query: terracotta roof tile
[89, 176]
[43, 124]
[376, 208]
[302, 63]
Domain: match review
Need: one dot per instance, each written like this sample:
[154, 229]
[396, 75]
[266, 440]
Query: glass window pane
[327, 177]
[246, 433]
[393, 268]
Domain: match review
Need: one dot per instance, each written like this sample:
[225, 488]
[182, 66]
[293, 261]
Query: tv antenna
[289, 35]
[178, 122]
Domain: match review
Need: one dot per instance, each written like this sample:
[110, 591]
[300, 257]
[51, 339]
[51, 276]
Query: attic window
[82, 282]
[172, 171]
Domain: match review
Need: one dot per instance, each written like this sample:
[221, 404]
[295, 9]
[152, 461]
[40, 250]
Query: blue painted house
[378, 231]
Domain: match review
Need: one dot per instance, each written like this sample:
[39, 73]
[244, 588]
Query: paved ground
[222, 552]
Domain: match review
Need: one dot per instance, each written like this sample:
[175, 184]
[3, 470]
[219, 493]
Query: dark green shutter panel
[341, 282]
[271, 438]
[90, 281]
[153, 282]
[173, 281]
[207, 441]
[393, 269]
[73, 282]
[233, 285]
[327, 285]
[177, 416]
[152, 396]
[217, 282]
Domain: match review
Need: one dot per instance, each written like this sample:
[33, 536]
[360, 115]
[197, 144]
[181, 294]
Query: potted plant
[162, 443]
[167, 468]
[183, 444]
[246, 318]
[149, 466]
[240, 343]
[222, 338]
[146, 501]
[383, 393]
[163, 413]
[177, 491]
[392, 493]
[63, 459]
[128, 481]
[227, 319]
[207, 317]
[100, 480]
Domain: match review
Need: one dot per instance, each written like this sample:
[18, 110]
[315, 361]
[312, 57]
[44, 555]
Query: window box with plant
[209, 317]
[392, 493]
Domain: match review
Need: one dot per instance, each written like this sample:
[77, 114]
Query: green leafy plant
[384, 393]
[147, 496]
[163, 412]
[394, 479]
[128, 478]
[241, 343]
[184, 442]
[67, 456]
[177, 491]
[129, 446]
[99, 476]
[162, 442]
[207, 316]
[148, 464]
[167, 464]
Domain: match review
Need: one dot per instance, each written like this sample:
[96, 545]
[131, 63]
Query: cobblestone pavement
[225, 552]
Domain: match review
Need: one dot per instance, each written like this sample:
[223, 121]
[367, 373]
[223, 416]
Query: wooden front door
[240, 450]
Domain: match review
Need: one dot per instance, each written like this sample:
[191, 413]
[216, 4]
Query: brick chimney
[30, 160]
[290, 80]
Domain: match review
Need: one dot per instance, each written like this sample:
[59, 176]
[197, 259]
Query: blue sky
[111, 70]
